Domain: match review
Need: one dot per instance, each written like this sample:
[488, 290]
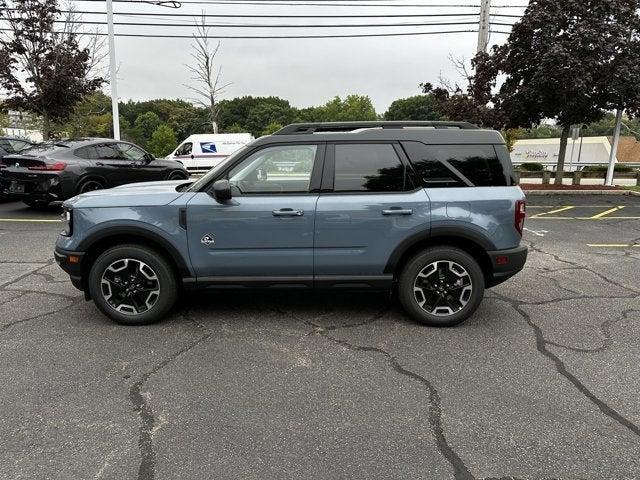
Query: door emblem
[207, 240]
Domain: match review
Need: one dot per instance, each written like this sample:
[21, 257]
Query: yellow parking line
[29, 220]
[563, 209]
[610, 245]
[583, 218]
[604, 214]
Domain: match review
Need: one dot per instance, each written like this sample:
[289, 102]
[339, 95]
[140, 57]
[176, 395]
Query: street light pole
[614, 148]
[483, 27]
[112, 72]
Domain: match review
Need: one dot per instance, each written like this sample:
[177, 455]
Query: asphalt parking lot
[542, 383]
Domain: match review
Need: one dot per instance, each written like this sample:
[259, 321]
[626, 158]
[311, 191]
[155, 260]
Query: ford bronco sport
[428, 208]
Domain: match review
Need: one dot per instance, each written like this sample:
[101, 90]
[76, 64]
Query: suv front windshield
[211, 174]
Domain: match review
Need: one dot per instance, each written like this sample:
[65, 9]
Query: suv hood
[145, 194]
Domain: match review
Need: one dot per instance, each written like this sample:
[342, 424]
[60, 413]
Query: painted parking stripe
[607, 212]
[552, 212]
[30, 220]
[613, 245]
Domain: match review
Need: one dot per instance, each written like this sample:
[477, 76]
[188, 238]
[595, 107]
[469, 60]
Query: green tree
[419, 107]
[163, 141]
[253, 114]
[352, 108]
[43, 70]
[272, 128]
[558, 63]
[144, 126]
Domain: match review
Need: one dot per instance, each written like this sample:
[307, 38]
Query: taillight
[521, 213]
[55, 167]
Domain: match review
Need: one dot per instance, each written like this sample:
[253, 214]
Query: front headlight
[67, 222]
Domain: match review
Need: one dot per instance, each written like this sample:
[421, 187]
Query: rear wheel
[89, 186]
[177, 176]
[441, 286]
[132, 285]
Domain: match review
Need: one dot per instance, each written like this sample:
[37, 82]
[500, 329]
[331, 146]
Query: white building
[584, 152]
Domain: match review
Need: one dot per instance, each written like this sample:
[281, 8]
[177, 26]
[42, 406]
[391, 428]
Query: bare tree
[205, 73]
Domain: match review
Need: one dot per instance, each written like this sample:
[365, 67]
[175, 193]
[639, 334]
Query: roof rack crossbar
[306, 128]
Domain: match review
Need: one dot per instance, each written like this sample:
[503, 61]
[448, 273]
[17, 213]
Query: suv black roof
[427, 132]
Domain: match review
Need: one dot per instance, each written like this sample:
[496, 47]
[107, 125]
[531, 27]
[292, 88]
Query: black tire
[446, 291]
[135, 255]
[177, 176]
[89, 185]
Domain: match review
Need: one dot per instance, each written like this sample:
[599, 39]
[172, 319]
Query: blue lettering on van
[208, 147]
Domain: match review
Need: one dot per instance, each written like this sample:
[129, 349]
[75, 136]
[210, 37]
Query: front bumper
[506, 264]
[71, 262]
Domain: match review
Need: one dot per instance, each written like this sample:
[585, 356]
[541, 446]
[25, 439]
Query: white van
[199, 153]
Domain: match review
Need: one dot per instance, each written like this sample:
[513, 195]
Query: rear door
[264, 234]
[370, 203]
[143, 168]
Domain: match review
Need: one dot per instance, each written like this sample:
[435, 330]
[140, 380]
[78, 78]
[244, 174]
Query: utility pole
[113, 73]
[483, 27]
[614, 148]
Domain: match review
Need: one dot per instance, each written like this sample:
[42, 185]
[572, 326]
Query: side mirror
[222, 190]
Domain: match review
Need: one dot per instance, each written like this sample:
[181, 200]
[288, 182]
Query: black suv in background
[55, 171]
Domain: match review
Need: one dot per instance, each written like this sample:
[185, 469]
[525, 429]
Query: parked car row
[56, 171]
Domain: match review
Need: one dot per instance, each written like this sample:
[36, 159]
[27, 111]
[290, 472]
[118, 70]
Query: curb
[582, 192]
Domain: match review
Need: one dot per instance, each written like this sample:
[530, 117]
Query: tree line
[565, 63]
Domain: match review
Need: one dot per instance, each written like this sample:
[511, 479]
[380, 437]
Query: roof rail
[345, 127]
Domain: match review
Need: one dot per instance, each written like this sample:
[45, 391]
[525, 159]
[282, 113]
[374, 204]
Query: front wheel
[441, 286]
[132, 285]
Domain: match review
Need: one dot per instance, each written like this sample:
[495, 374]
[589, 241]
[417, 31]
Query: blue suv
[430, 209]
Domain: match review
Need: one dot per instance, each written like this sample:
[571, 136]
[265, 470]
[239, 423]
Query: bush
[532, 167]
[604, 168]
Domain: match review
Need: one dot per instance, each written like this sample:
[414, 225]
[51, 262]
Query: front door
[264, 234]
[370, 205]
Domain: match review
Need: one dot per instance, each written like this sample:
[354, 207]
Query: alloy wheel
[443, 288]
[130, 286]
[90, 186]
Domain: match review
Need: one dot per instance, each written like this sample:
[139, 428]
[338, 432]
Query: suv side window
[373, 167]
[458, 165]
[277, 169]
[87, 153]
[131, 152]
[109, 151]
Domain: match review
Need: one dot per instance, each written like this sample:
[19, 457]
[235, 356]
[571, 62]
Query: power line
[296, 3]
[231, 25]
[234, 15]
[262, 37]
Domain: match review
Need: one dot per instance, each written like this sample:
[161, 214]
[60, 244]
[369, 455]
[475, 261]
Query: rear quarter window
[461, 165]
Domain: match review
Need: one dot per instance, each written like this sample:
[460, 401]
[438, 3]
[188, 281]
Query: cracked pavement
[543, 382]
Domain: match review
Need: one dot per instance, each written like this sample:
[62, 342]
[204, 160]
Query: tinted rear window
[449, 165]
[369, 168]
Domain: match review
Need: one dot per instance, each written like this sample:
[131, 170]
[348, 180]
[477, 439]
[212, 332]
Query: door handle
[100, 164]
[288, 212]
[398, 211]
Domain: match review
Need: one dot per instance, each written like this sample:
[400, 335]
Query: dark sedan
[55, 171]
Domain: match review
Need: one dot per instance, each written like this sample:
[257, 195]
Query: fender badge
[207, 240]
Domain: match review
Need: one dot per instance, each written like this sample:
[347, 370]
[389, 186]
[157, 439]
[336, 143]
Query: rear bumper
[506, 264]
[71, 262]
[39, 187]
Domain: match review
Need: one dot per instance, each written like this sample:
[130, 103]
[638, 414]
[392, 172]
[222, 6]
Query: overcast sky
[304, 71]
